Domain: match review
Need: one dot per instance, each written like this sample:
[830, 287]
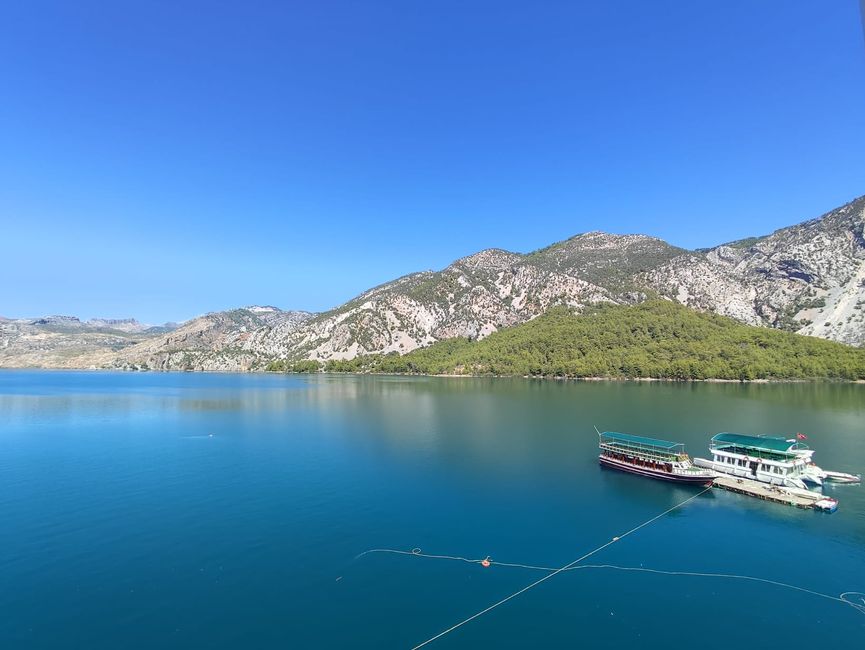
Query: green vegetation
[747, 242]
[281, 365]
[612, 268]
[655, 339]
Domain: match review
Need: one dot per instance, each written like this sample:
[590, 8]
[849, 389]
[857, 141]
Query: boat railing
[642, 452]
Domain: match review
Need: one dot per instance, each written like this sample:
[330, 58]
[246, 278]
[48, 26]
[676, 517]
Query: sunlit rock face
[808, 278]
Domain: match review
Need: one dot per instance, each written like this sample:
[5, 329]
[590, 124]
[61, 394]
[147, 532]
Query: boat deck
[787, 496]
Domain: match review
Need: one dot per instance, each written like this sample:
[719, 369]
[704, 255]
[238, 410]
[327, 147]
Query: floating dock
[775, 493]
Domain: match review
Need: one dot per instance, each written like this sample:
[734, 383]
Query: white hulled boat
[818, 475]
[760, 458]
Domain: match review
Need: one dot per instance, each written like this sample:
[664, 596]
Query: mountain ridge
[807, 278]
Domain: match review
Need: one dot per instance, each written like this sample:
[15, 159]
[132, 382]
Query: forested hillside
[657, 339]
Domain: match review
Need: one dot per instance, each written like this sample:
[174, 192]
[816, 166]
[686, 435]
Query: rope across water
[558, 571]
[847, 598]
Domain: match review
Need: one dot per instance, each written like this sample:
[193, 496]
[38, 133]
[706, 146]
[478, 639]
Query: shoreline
[708, 380]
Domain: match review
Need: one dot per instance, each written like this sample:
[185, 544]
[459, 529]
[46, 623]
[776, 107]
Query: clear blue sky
[163, 159]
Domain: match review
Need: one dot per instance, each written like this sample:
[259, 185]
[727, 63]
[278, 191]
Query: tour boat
[760, 458]
[659, 459]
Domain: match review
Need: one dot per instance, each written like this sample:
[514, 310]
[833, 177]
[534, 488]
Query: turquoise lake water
[226, 511]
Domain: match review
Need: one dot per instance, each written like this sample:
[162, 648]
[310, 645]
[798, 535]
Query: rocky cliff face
[808, 278]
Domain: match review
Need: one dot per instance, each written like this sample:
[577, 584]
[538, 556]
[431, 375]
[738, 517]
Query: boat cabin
[762, 458]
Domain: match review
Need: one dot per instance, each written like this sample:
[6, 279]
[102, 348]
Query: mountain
[474, 296]
[66, 341]
[655, 339]
[215, 341]
[121, 324]
[808, 278]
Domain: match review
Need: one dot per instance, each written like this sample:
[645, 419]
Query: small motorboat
[841, 477]
[814, 475]
[827, 504]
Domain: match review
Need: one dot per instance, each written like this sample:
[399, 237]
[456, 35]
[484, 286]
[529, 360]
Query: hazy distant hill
[68, 342]
[211, 342]
[808, 278]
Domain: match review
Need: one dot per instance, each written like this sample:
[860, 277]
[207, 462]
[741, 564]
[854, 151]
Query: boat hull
[646, 471]
[840, 477]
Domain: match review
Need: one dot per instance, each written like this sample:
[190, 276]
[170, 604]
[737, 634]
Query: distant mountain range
[808, 278]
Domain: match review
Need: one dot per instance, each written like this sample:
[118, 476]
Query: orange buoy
[486, 562]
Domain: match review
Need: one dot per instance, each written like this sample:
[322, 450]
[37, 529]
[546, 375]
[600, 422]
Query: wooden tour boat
[659, 459]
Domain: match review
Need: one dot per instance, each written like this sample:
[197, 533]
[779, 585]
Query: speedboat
[817, 475]
[841, 477]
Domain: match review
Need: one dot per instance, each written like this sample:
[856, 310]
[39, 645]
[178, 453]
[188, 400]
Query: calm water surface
[226, 511]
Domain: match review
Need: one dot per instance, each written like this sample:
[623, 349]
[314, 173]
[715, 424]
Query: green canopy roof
[614, 436]
[763, 443]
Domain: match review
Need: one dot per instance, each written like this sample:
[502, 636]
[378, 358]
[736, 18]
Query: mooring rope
[844, 598]
[554, 571]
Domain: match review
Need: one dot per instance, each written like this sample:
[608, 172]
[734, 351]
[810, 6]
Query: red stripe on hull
[645, 471]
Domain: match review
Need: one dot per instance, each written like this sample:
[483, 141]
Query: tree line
[655, 339]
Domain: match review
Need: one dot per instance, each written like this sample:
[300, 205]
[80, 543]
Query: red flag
[801, 436]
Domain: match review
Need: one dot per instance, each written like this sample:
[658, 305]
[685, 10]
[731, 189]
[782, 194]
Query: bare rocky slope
[473, 297]
[808, 278]
[216, 341]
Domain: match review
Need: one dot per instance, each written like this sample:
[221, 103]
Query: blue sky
[164, 159]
